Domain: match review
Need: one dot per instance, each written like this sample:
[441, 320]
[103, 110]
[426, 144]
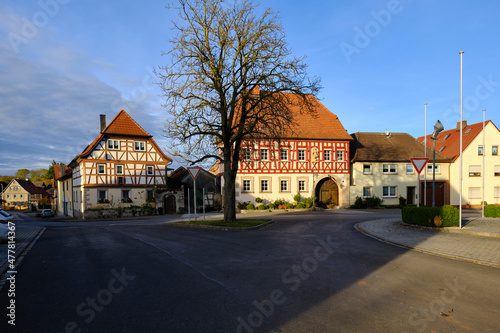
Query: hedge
[492, 211]
[446, 216]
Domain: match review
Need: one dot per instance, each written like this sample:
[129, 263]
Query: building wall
[16, 196]
[400, 179]
[472, 185]
[65, 205]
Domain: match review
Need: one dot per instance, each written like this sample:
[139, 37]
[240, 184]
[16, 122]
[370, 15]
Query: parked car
[46, 213]
[5, 218]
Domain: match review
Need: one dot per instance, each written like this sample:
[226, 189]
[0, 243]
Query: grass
[239, 223]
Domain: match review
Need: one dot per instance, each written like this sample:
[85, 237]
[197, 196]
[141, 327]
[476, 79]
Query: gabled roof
[388, 147]
[61, 171]
[450, 139]
[31, 188]
[121, 125]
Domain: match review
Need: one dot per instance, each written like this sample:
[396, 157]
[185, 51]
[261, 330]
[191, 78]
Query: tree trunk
[229, 194]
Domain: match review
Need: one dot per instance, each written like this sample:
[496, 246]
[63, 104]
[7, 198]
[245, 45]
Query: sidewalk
[478, 241]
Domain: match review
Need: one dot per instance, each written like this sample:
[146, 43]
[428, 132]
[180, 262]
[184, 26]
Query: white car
[5, 218]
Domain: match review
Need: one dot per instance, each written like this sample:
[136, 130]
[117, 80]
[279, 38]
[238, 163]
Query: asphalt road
[308, 272]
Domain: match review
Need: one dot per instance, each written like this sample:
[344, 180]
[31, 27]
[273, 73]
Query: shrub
[242, 205]
[262, 207]
[373, 202]
[258, 200]
[447, 216]
[492, 211]
[279, 202]
[402, 201]
[271, 206]
[250, 206]
[301, 205]
[297, 197]
[309, 202]
[359, 203]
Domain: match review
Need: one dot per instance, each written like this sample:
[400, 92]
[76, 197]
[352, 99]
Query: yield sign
[419, 163]
[194, 171]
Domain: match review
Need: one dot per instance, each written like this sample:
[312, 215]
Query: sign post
[419, 164]
[194, 172]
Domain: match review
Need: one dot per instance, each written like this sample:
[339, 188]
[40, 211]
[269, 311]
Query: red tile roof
[450, 139]
[58, 173]
[31, 188]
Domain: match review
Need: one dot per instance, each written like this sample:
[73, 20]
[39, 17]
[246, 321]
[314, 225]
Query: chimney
[103, 121]
[464, 125]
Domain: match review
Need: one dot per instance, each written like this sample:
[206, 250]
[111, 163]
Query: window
[125, 194]
[15, 196]
[150, 195]
[468, 131]
[390, 168]
[121, 180]
[139, 146]
[101, 169]
[247, 154]
[284, 185]
[429, 169]
[442, 148]
[101, 195]
[367, 192]
[367, 169]
[340, 155]
[302, 185]
[150, 170]
[246, 185]
[302, 154]
[284, 154]
[389, 191]
[8, 196]
[327, 154]
[497, 192]
[264, 185]
[21, 196]
[264, 154]
[446, 137]
[480, 150]
[497, 170]
[494, 150]
[113, 144]
[119, 169]
[409, 169]
[474, 192]
[474, 171]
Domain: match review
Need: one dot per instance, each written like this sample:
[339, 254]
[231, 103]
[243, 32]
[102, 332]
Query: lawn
[239, 223]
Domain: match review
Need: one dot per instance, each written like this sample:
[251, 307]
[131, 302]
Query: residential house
[311, 158]
[122, 167]
[473, 150]
[381, 167]
[64, 192]
[23, 194]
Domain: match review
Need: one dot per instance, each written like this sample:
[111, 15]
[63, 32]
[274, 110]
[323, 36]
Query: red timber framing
[294, 156]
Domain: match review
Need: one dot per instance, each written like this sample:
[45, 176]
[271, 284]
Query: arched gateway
[327, 192]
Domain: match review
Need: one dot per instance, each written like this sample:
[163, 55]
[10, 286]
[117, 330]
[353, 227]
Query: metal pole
[425, 155]
[434, 172]
[189, 207]
[203, 204]
[418, 185]
[484, 154]
[461, 129]
[195, 210]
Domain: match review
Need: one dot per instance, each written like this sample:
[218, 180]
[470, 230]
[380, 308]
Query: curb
[452, 230]
[379, 238]
[215, 227]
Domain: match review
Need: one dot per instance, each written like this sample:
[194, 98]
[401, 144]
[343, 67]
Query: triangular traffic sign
[419, 163]
[194, 171]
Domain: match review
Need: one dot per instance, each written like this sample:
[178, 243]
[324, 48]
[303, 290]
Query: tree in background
[229, 70]
[22, 173]
[49, 174]
[37, 175]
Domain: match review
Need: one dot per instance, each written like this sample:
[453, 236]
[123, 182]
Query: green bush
[280, 202]
[250, 206]
[301, 205]
[359, 203]
[309, 202]
[262, 207]
[242, 205]
[258, 200]
[297, 197]
[271, 206]
[426, 216]
[492, 211]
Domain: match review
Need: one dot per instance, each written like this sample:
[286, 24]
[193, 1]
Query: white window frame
[370, 190]
[480, 150]
[340, 155]
[99, 172]
[412, 169]
[327, 154]
[113, 144]
[368, 172]
[283, 154]
[246, 186]
[494, 150]
[284, 185]
[496, 170]
[150, 168]
[301, 155]
[474, 171]
[264, 154]
[474, 192]
[128, 194]
[389, 169]
[99, 195]
[122, 169]
[302, 185]
[139, 146]
[496, 192]
[389, 195]
[429, 169]
[247, 154]
[264, 183]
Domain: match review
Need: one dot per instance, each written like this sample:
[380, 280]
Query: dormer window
[113, 144]
[139, 146]
[446, 137]
[468, 131]
[442, 148]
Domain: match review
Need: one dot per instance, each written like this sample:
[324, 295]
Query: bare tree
[231, 77]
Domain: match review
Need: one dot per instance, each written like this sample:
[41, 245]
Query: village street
[308, 272]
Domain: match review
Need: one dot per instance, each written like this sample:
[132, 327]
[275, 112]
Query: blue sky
[63, 62]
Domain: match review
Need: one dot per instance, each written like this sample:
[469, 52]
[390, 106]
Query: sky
[65, 62]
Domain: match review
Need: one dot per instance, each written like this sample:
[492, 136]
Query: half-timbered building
[122, 167]
[312, 158]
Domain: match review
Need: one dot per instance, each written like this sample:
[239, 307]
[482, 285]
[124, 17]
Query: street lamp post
[437, 128]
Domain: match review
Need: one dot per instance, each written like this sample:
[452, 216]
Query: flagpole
[484, 154]
[425, 155]
[461, 130]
